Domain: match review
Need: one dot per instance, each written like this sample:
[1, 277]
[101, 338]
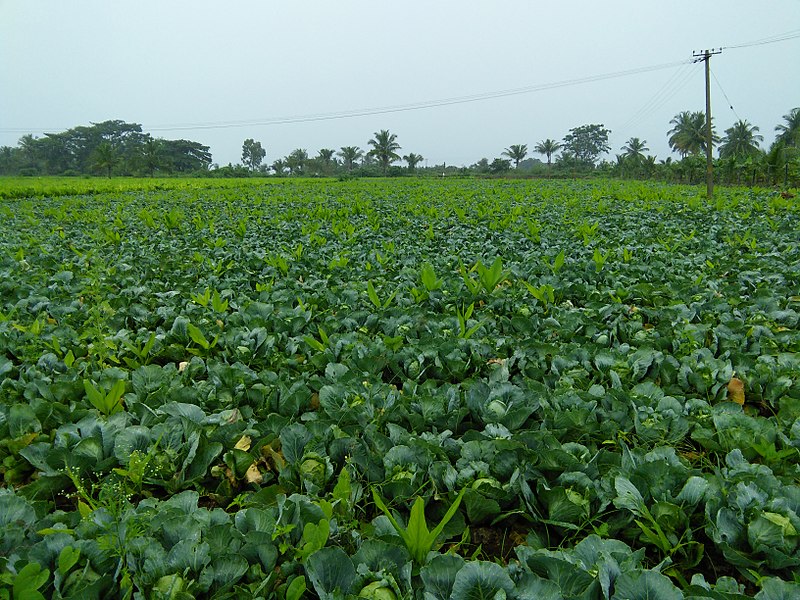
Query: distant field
[240, 388]
[25, 187]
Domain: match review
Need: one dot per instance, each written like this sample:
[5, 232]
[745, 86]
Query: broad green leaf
[95, 396]
[315, 344]
[29, 579]
[439, 575]
[16, 510]
[479, 580]
[22, 420]
[382, 506]
[693, 490]
[228, 569]
[649, 585]
[293, 441]
[628, 496]
[189, 554]
[373, 295]
[416, 535]
[533, 587]
[773, 588]
[447, 516]
[6, 366]
[315, 536]
[429, 279]
[558, 262]
[197, 336]
[342, 490]
[331, 572]
[493, 276]
[296, 588]
[67, 559]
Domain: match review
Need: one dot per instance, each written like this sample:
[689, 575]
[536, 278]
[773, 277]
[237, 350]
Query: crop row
[239, 392]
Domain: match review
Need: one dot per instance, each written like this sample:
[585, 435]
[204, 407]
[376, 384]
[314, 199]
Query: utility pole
[705, 56]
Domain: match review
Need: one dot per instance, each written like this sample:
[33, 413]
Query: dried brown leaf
[736, 391]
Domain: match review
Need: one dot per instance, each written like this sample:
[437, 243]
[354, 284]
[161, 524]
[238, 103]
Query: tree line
[119, 148]
[108, 148]
[741, 159]
[379, 159]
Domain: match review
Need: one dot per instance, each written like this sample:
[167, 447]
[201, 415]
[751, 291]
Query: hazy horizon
[214, 66]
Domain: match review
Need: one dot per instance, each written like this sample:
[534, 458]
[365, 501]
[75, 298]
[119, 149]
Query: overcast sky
[166, 63]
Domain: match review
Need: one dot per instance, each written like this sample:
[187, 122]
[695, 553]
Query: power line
[656, 96]
[675, 84]
[431, 103]
[773, 39]
[391, 109]
[652, 104]
[420, 105]
[719, 85]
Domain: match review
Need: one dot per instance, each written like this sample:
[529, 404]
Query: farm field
[399, 389]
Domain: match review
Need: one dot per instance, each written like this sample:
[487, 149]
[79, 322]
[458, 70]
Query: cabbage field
[467, 389]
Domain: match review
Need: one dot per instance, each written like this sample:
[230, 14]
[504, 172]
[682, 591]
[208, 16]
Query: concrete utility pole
[705, 56]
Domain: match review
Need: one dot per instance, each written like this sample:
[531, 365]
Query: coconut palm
[548, 147]
[326, 160]
[384, 148]
[634, 150]
[105, 158]
[740, 141]
[789, 132]
[688, 134]
[278, 166]
[618, 166]
[776, 159]
[413, 160]
[517, 153]
[649, 165]
[153, 155]
[349, 156]
[296, 160]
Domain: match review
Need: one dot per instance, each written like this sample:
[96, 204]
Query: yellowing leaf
[243, 443]
[273, 456]
[736, 391]
[253, 475]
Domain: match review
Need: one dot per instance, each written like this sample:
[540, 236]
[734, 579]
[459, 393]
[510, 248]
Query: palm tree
[326, 160]
[296, 161]
[278, 166]
[649, 165]
[619, 164]
[548, 147]
[740, 141]
[105, 157]
[790, 131]
[517, 153]
[413, 160]
[634, 150]
[153, 155]
[384, 147]
[688, 135]
[29, 146]
[349, 156]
